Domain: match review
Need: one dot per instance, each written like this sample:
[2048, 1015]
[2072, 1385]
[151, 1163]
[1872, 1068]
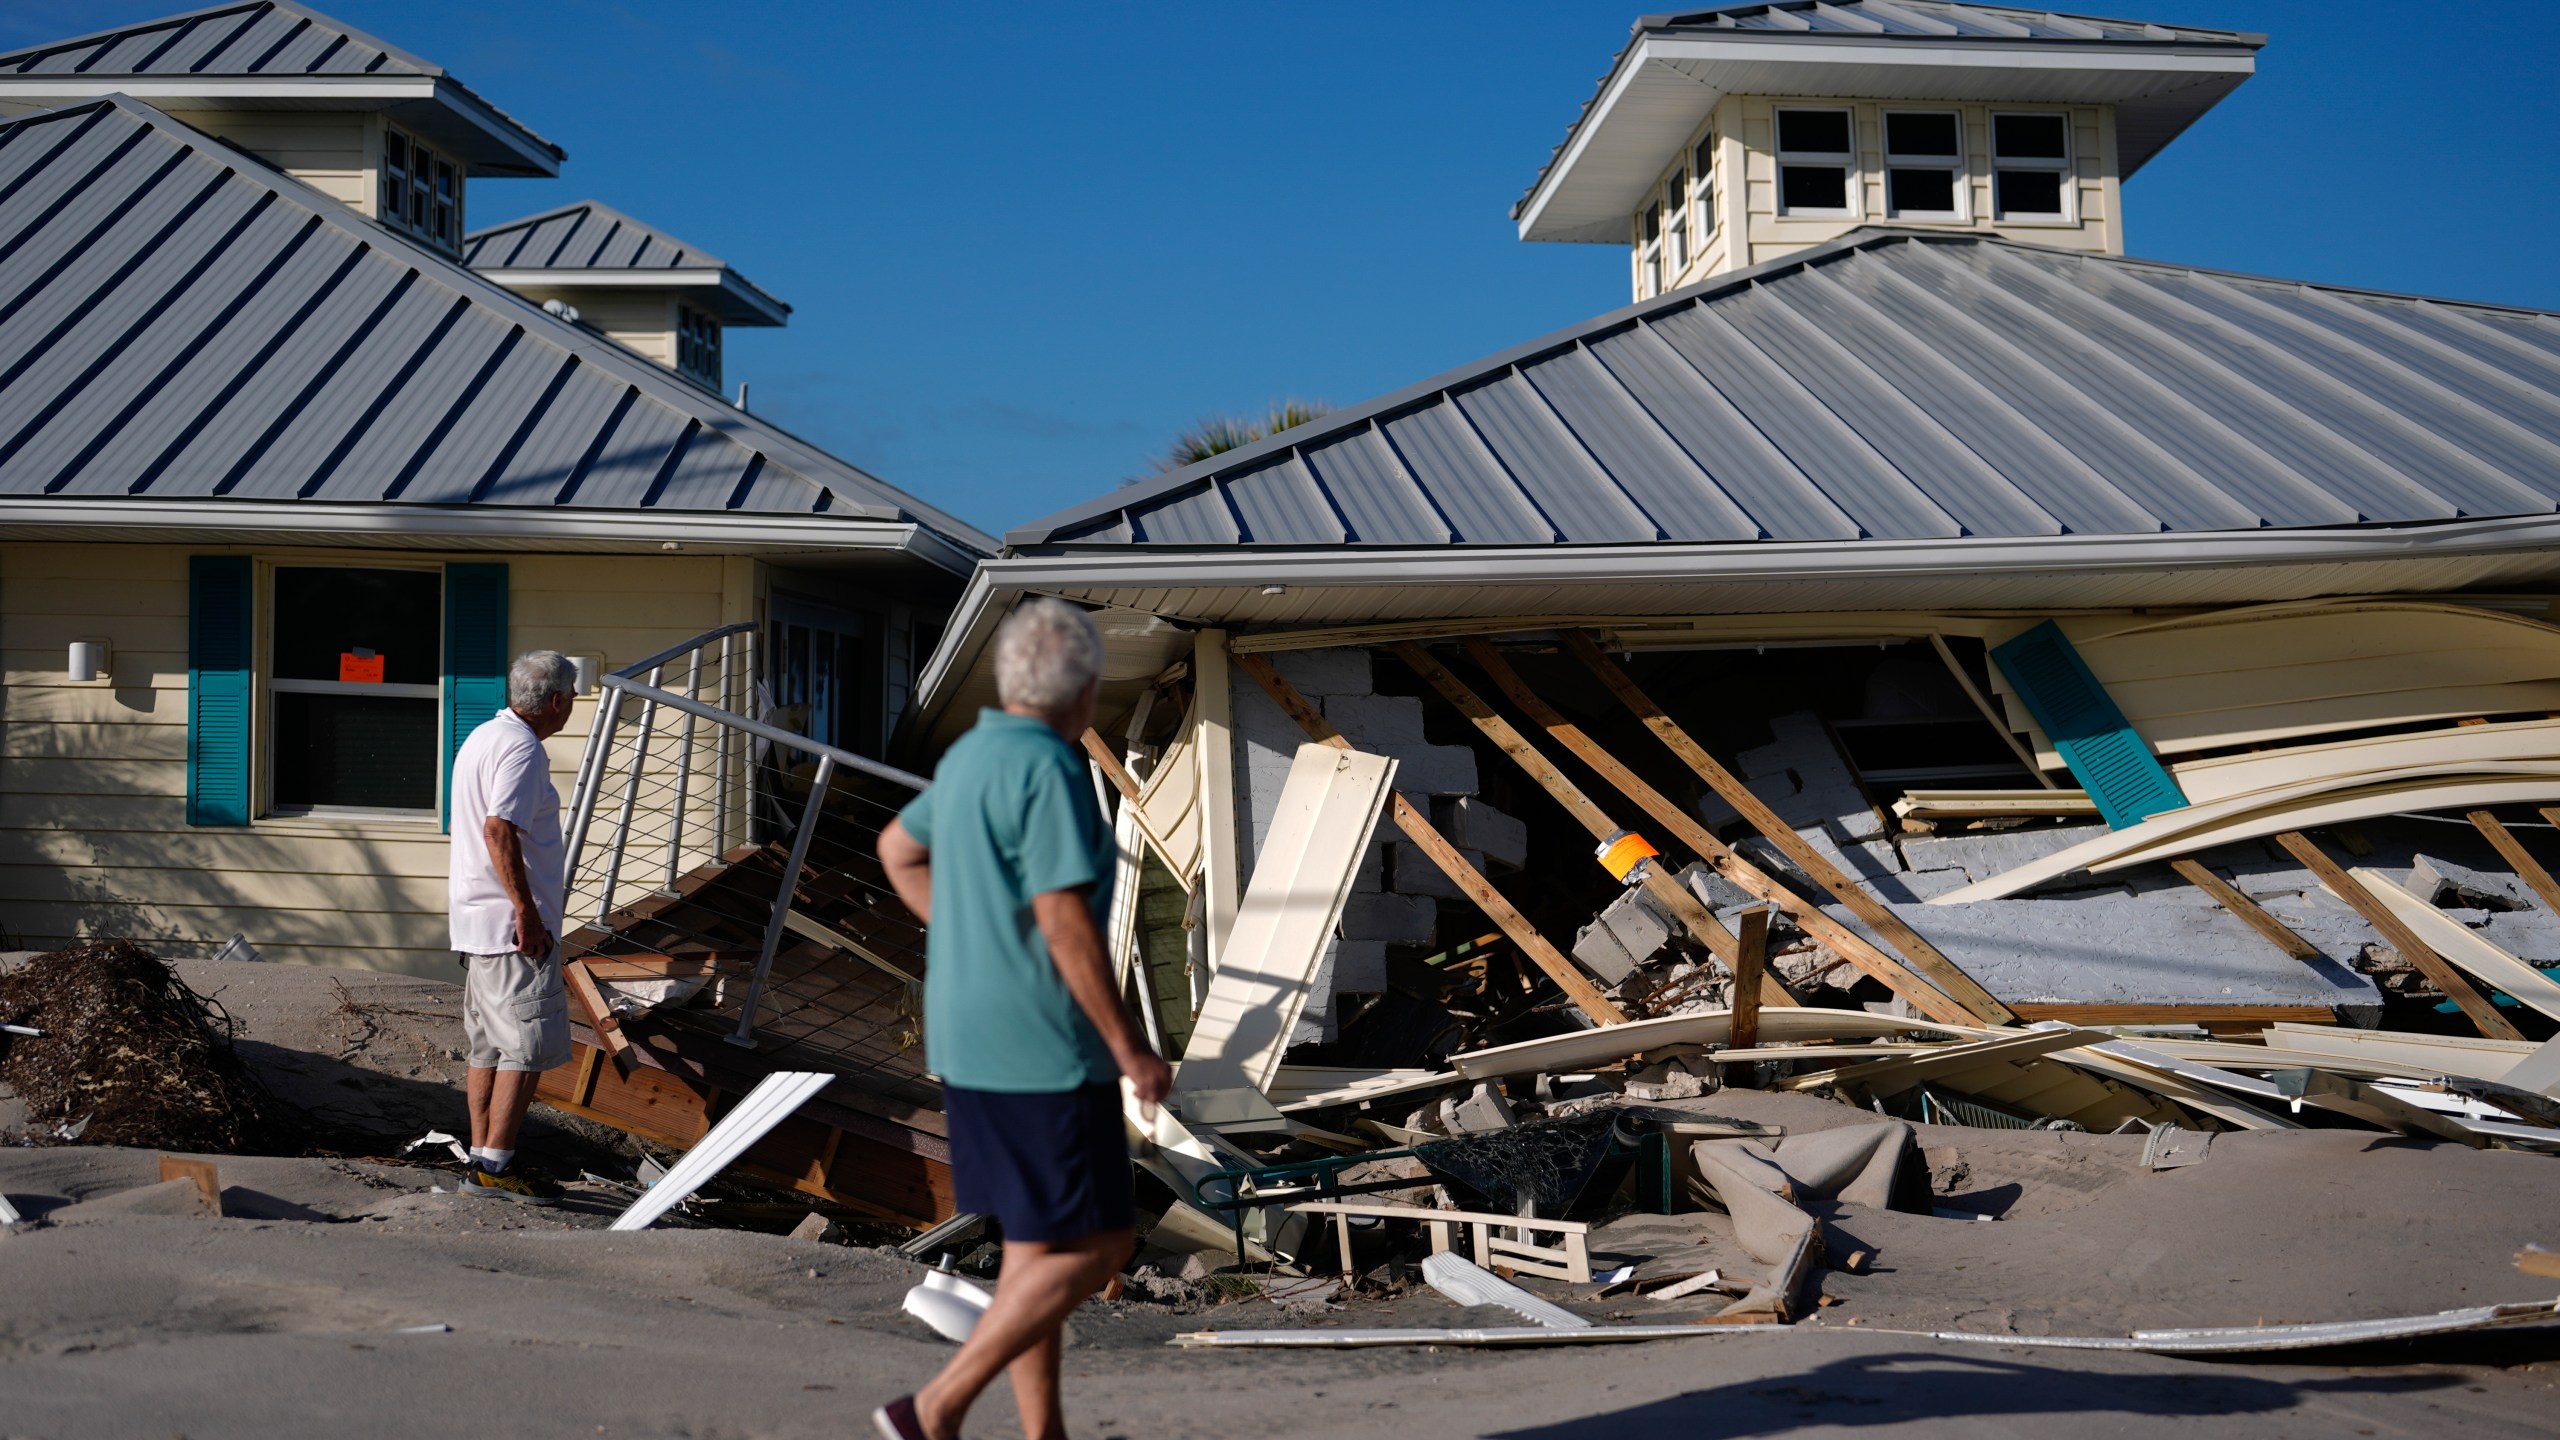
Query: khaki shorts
[515, 1013]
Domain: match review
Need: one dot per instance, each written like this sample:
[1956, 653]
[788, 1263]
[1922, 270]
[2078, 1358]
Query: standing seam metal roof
[180, 321]
[585, 235]
[1907, 385]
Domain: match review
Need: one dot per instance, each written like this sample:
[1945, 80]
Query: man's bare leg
[476, 1084]
[1040, 1285]
[510, 1095]
[1034, 1373]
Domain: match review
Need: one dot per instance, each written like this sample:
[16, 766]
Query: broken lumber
[2238, 903]
[599, 1016]
[1898, 1073]
[1978, 1003]
[2462, 946]
[2527, 869]
[2381, 917]
[1732, 864]
[1751, 954]
[2364, 1102]
[1427, 837]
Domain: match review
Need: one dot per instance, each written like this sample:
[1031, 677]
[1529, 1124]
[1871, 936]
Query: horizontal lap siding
[93, 838]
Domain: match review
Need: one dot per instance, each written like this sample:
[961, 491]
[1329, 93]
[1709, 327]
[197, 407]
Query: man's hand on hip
[531, 938]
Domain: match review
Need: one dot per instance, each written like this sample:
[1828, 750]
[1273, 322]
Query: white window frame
[1702, 193]
[1677, 251]
[712, 339]
[269, 685]
[2067, 166]
[1955, 164]
[1845, 160]
[1650, 280]
[392, 196]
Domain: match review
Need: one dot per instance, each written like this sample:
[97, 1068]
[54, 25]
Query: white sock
[493, 1161]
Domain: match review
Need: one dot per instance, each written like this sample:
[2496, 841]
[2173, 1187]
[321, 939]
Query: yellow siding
[330, 151]
[644, 320]
[93, 834]
[1751, 231]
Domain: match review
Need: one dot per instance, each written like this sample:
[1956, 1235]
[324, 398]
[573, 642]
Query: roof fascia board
[2236, 57]
[350, 523]
[534, 156]
[768, 310]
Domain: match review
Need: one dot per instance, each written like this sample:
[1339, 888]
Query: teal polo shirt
[1010, 815]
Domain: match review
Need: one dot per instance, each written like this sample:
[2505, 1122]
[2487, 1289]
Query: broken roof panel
[183, 323]
[1904, 386]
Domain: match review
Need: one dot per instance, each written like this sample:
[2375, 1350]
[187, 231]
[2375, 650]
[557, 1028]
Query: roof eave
[2234, 59]
[739, 300]
[504, 146]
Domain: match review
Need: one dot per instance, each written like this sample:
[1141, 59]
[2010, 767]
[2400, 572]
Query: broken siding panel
[1682, 500]
[1441, 452]
[1550, 465]
[1955, 479]
[1281, 504]
[1815, 441]
[1379, 501]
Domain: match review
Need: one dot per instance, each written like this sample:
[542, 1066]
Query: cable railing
[690, 800]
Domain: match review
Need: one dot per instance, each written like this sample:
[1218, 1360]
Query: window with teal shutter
[475, 656]
[220, 614]
[2106, 756]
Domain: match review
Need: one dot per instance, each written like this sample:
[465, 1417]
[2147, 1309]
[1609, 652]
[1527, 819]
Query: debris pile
[127, 1055]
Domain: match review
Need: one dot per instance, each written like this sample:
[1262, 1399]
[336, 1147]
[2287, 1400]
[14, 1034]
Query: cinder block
[1397, 919]
[1372, 874]
[1325, 672]
[1411, 872]
[1436, 770]
[1626, 934]
[2443, 882]
[1359, 968]
[1983, 854]
[1712, 889]
[1478, 826]
[1387, 724]
[1803, 776]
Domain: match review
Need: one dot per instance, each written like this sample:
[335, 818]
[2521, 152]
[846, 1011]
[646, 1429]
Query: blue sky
[1026, 245]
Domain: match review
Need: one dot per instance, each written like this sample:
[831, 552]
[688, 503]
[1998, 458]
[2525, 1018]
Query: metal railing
[682, 767]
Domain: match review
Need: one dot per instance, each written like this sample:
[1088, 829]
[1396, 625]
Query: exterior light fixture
[91, 660]
[585, 666]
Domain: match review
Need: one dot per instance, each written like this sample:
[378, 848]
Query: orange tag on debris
[361, 667]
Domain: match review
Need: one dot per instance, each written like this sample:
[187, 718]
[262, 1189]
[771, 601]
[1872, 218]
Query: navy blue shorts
[1050, 1165]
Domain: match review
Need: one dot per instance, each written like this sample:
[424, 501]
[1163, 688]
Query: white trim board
[1321, 828]
[2463, 946]
[773, 1101]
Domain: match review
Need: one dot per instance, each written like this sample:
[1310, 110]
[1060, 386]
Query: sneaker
[897, 1420]
[512, 1184]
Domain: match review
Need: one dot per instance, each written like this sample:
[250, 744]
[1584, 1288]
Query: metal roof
[181, 323]
[590, 242]
[285, 52]
[1675, 67]
[1906, 386]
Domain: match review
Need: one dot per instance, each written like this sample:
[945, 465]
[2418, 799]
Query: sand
[287, 1316]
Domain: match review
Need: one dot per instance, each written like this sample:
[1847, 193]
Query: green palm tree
[1221, 433]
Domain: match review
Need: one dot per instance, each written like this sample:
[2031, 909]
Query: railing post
[582, 796]
[630, 804]
[746, 1032]
[720, 811]
[684, 772]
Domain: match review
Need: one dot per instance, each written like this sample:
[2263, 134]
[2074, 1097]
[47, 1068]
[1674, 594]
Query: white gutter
[997, 582]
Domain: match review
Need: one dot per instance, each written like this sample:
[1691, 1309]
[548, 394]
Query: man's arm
[506, 856]
[910, 868]
[1075, 947]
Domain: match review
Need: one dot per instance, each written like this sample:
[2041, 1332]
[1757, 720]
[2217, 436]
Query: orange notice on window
[361, 667]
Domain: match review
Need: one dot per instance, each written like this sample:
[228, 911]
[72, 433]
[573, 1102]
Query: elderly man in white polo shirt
[505, 889]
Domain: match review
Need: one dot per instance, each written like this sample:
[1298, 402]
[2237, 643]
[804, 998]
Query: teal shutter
[2110, 761]
[220, 619]
[475, 658]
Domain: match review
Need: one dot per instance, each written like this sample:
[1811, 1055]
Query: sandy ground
[289, 1316]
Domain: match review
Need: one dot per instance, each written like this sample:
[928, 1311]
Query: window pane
[323, 613]
[1920, 135]
[1920, 190]
[1706, 158]
[1813, 187]
[2029, 137]
[1652, 223]
[395, 150]
[1675, 191]
[373, 751]
[2029, 192]
[1818, 132]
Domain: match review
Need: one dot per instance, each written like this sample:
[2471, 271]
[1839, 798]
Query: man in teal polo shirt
[1009, 861]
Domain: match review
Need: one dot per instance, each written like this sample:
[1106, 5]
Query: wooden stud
[1418, 828]
[583, 1088]
[1730, 863]
[1667, 893]
[1924, 957]
[2512, 849]
[2238, 903]
[2536, 1261]
[2345, 886]
[208, 1180]
[599, 1016]
[1751, 954]
[1112, 769]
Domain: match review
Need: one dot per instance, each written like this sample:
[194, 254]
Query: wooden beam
[1666, 891]
[1897, 1073]
[599, 1016]
[1924, 957]
[1752, 951]
[2512, 849]
[2238, 903]
[1118, 774]
[809, 928]
[1418, 828]
[2483, 1015]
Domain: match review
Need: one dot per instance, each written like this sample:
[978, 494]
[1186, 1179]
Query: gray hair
[538, 675]
[1047, 652]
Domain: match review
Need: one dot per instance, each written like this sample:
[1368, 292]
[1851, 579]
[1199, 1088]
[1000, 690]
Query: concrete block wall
[1396, 890]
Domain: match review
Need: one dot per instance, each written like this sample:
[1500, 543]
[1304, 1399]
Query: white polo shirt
[501, 770]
